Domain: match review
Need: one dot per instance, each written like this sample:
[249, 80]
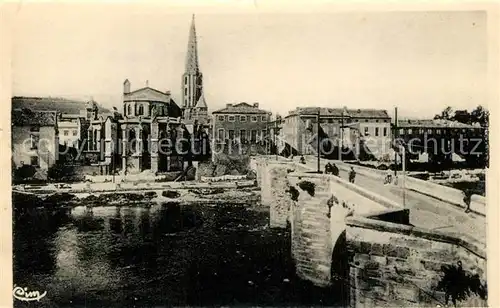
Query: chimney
[229, 105]
[256, 105]
[126, 86]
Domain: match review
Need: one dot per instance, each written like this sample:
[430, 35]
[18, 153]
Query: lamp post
[403, 151]
[317, 137]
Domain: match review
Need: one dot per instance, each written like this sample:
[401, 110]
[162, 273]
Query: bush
[61, 172]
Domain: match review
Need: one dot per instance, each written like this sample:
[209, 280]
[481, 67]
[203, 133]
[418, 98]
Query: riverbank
[143, 198]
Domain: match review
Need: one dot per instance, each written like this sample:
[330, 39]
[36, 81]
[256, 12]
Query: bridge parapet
[317, 216]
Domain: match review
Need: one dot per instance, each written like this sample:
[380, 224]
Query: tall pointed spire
[192, 52]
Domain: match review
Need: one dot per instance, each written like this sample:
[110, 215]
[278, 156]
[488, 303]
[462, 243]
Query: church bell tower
[192, 79]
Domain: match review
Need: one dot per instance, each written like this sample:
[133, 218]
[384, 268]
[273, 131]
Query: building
[240, 122]
[73, 116]
[194, 106]
[34, 135]
[440, 138]
[339, 128]
[150, 125]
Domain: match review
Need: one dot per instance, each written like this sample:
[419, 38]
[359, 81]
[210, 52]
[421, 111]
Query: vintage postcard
[249, 155]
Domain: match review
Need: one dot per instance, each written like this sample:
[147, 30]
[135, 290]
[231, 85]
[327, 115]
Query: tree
[445, 114]
[480, 115]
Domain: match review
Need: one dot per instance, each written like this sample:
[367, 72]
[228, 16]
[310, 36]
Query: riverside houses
[342, 126]
[34, 136]
[242, 122]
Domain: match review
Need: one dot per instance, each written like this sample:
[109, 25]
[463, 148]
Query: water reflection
[163, 255]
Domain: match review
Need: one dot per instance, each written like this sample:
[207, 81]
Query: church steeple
[192, 52]
[192, 79]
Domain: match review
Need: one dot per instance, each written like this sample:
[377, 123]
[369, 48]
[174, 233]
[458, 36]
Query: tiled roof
[368, 113]
[240, 108]
[62, 105]
[24, 117]
[337, 112]
[434, 124]
[147, 94]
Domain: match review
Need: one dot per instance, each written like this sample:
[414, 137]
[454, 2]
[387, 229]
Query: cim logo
[24, 295]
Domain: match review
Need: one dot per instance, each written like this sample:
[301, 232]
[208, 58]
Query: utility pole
[395, 138]
[403, 151]
[276, 136]
[341, 134]
[317, 137]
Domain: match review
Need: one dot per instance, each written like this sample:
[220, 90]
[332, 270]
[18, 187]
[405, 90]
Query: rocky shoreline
[216, 195]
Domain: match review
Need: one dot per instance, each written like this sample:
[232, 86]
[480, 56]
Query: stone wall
[400, 265]
[280, 201]
[318, 221]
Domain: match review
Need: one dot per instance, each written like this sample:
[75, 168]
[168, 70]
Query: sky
[420, 62]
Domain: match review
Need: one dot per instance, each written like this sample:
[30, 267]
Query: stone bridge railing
[344, 234]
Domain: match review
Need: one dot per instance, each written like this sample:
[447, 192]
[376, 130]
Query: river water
[165, 255]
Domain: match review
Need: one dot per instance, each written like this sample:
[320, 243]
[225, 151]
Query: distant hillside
[65, 106]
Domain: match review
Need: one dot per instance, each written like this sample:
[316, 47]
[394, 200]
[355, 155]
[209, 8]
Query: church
[154, 133]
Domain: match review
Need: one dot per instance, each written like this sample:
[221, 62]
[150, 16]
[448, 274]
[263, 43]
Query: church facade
[153, 132]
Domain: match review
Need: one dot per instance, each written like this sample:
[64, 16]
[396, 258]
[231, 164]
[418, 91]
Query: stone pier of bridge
[344, 235]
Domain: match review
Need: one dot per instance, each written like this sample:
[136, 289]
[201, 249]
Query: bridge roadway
[425, 211]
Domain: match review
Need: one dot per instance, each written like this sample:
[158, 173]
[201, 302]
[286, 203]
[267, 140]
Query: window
[409, 131]
[385, 121]
[254, 136]
[264, 133]
[330, 120]
[376, 131]
[376, 121]
[231, 134]
[34, 142]
[366, 130]
[438, 131]
[385, 131]
[220, 118]
[230, 118]
[185, 80]
[185, 91]
[401, 131]
[254, 118]
[75, 132]
[141, 110]
[66, 132]
[264, 119]
[243, 135]
[129, 110]
[221, 134]
[243, 118]
[34, 160]
[366, 120]
[429, 131]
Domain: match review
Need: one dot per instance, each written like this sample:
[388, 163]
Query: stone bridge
[360, 238]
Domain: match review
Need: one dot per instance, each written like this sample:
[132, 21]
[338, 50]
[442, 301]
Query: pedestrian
[335, 170]
[302, 160]
[328, 168]
[352, 175]
[388, 176]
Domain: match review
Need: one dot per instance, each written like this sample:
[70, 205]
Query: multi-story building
[344, 128]
[34, 135]
[440, 138]
[150, 119]
[240, 122]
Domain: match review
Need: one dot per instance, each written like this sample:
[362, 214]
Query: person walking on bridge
[352, 175]
[328, 168]
[335, 170]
